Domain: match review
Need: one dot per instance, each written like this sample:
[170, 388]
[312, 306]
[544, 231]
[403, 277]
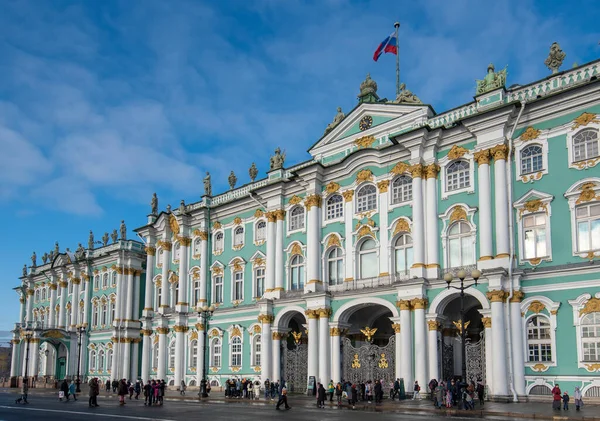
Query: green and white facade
[359, 238]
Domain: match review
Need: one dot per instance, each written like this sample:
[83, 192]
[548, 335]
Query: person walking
[417, 391]
[122, 391]
[107, 385]
[64, 388]
[148, 393]
[565, 399]
[480, 392]
[577, 397]
[94, 391]
[24, 392]
[72, 390]
[137, 389]
[556, 397]
[330, 390]
[182, 388]
[321, 396]
[338, 393]
[283, 400]
[115, 384]
[257, 390]
[396, 389]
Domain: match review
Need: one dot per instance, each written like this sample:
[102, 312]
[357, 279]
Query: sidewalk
[528, 410]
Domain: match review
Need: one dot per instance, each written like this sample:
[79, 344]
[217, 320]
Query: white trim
[233, 272]
[216, 251]
[588, 163]
[340, 315]
[442, 299]
[288, 212]
[577, 304]
[564, 286]
[355, 199]
[391, 204]
[258, 242]
[572, 194]
[325, 261]
[519, 206]
[235, 246]
[444, 163]
[445, 218]
[284, 312]
[519, 145]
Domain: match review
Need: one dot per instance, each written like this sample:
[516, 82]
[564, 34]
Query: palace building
[337, 268]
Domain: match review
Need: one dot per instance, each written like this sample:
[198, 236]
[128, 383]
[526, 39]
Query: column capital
[265, 318]
[63, 284]
[162, 330]
[184, 241]
[22, 299]
[271, 216]
[348, 195]
[277, 336]
[146, 332]
[383, 186]
[403, 304]
[482, 157]
[150, 250]
[499, 152]
[419, 303]
[396, 327]
[280, 214]
[312, 314]
[433, 325]
[487, 322]
[200, 327]
[324, 313]
[496, 296]
[431, 171]
[517, 297]
[165, 245]
[180, 328]
[416, 170]
[313, 200]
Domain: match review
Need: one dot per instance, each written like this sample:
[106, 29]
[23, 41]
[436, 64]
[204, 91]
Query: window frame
[578, 305]
[587, 219]
[393, 189]
[339, 261]
[299, 219]
[236, 355]
[519, 146]
[218, 245]
[462, 170]
[535, 228]
[217, 288]
[571, 134]
[403, 247]
[359, 259]
[216, 358]
[544, 207]
[258, 240]
[300, 267]
[238, 237]
[539, 342]
[256, 357]
[444, 163]
[470, 237]
[336, 209]
[371, 197]
[237, 279]
[257, 282]
[193, 354]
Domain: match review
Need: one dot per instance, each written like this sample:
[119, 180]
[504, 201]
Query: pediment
[533, 195]
[384, 119]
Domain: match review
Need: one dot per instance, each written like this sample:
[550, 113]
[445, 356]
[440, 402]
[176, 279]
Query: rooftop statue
[45, 258]
[277, 160]
[253, 172]
[168, 208]
[80, 252]
[123, 230]
[91, 241]
[207, 186]
[232, 179]
[105, 239]
[24, 270]
[406, 97]
[56, 249]
[555, 58]
[336, 120]
[493, 80]
[51, 255]
[182, 207]
[34, 260]
[114, 236]
[154, 204]
[369, 86]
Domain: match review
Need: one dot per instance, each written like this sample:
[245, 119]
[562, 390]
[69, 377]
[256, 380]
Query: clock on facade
[365, 123]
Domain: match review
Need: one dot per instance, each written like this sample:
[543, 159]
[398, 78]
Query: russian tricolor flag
[389, 45]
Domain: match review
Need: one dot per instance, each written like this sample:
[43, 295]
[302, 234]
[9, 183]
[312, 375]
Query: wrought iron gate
[368, 362]
[447, 361]
[295, 369]
[476, 359]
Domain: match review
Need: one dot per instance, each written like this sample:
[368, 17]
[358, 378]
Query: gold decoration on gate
[368, 332]
[383, 362]
[530, 133]
[460, 325]
[584, 119]
[297, 337]
[355, 362]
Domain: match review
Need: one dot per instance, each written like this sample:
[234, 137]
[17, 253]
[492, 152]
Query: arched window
[403, 253]
[193, 357]
[109, 357]
[104, 317]
[196, 292]
[197, 248]
[590, 336]
[96, 282]
[114, 280]
[112, 312]
[539, 341]
[532, 159]
[238, 286]
[68, 316]
[335, 206]
[460, 245]
[157, 295]
[588, 227]
[238, 237]
[101, 360]
[367, 259]
[297, 272]
[176, 252]
[95, 314]
[256, 348]
[297, 218]
[236, 352]
[261, 231]
[585, 145]
[215, 352]
[335, 266]
[218, 289]
[457, 176]
[172, 355]
[43, 294]
[401, 189]
[219, 241]
[36, 298]
[366, 198]
[259, 277]
[105, 281]
[93, 360]
[534, 236]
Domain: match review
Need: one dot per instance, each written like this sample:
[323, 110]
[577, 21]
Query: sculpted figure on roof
[336, 120]
[277, 160]
[406, 97]
[493, 80]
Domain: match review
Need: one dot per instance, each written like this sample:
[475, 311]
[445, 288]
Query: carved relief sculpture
[555, 58]
[493, 80]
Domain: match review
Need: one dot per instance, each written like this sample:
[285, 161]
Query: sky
[103, 103]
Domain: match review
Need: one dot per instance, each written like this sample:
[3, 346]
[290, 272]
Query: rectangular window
[368, 265]
[260, 284]
[591, 351]
[588, 227]
[218, 282]
[238, 291]
[534, 236]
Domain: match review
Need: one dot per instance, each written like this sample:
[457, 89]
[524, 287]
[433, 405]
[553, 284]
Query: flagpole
[397, 25]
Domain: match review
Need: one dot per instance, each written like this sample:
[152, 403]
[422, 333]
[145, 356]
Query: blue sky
[104, 102]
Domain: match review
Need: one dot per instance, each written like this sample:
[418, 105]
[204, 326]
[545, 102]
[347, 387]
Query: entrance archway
[294, 355]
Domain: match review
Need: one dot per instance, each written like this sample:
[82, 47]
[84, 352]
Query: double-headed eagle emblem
[368, 332]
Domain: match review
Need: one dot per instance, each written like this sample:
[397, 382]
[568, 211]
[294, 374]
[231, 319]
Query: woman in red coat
[556, 397]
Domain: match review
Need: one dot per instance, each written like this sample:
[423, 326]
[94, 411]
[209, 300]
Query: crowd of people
[455, 393]
[564, 398]
[153, 390]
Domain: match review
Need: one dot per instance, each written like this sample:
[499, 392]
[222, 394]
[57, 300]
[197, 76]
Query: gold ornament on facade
[237, 220]
[333, 241]
[295, 200]
[174, 224]
[271, 216]
[383, 186]
[237, 265]
[162, 330]
[457, 152]
[592, 367]
[530, 133]
[458, 214]
[591, 306]
[482, 157]
[364, 230]
[348, 195]
[165, 245]
[280, 214]
[236, 332]
[194, 335]
[146, 332]
[584, 119]
[296, 249]
[332, 187]
[460, 325]
[364, 142]
[432, 170]
[184, 241]
[517, 297]
[401, 226]
[396, 327]
[535, 261]
[400, 168]
[53, 334]
[355, 362]
[259, 261]
[416, 170]
[180, 328]
[433, 325]
[403, 304]
[265, 318]
[383, 362]
[213, 333]
[418, 303]
[259, 213]
[200, 327]
[324, 313]
[539, 367]
[313, 200]
[334, 331]
[217, 270]
[297, 337]
[364, 175]
[532, 177]
[487, 322]
[587, 193]
[312, 314]
[368, 332]
[496, 296]
[533, 206]
[499, 152]
[217, 225]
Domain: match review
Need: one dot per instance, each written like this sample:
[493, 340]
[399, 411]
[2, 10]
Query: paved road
[47, 407]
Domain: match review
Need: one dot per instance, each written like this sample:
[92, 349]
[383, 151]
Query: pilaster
[418, 229]
[431, 172]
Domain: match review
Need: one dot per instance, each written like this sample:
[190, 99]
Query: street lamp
[448, 277]
[27, 335]
[205, 313]
[80, 331]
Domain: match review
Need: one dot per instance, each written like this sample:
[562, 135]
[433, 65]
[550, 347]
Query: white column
[313, 343]
[516, 330]
[166, 285]
[179, 353]
[324, 342]
[23, 307]
[418, 231]
[62, 323]
[279, 259]
[431, 211]
[52, 315]
[135, 358]
[276, 369]
[313, 243]
[75, 301]
[14, 361]
[130, 290]
[137, 284]
[336, 354]
[420, 346]
[162, 352]
[114, 366]
[384, 269]
[120, 291]
[397, 347]
[34, 357]
[500, 378]
[126, 367]
[200, 354]
[203, 269]
[432, 345]
[29, 316]
[501, 200]
[485, 205]
[406, 354]
[348, 227]
[183, 303]
[266, 346]
[271, 258]
[150, 262]
[489, 365]
[146, 354]
[86, 300]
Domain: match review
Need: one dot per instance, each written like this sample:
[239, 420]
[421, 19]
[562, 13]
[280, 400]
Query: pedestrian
[338, 393]
[115, 384]
[480, 392]
[122, 391]
[354, 395]
[438, 396]
[330, 390]
[64, 388]
[155, 391]
[72, 390]
[556, 397]
[24, 392]
[107, 385]
[283, 400]
[94, 391]
[137, 389]
[321, 396]
[577, 397]
[161, 391]
[182, 388]
[417, 391]
[250, 390]
[432, 385]
[148, 393]
[396, 389]
[257, 389]
[565, 399]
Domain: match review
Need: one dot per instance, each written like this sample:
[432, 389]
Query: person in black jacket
[64, 387]
[283, 400]
[321, 396]
[378, 392]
